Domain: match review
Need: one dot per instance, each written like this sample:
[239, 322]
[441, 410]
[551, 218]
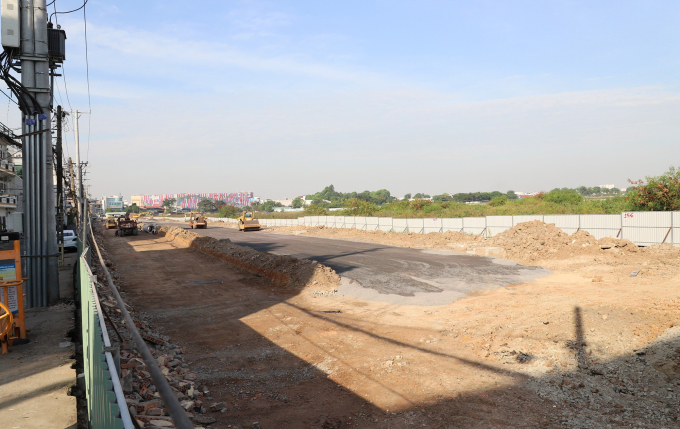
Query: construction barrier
[642, 228]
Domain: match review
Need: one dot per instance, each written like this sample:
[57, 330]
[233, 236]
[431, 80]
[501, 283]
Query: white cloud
[178, 56]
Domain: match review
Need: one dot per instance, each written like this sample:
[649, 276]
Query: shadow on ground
[225, 319]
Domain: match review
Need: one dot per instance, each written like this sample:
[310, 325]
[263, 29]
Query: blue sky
[284, 98]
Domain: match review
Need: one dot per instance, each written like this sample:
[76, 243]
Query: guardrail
[642, 228]
[106, 406]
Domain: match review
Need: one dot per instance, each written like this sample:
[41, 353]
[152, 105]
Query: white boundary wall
[642, 228]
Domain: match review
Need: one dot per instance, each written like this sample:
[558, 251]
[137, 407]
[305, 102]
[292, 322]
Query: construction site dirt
[589, 345]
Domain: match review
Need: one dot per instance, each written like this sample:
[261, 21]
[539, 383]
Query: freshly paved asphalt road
[388, 273]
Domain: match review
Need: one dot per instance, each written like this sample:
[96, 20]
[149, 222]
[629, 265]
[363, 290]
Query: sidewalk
[35, 377]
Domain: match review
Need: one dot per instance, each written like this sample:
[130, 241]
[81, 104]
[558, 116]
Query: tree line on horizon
[658, 193]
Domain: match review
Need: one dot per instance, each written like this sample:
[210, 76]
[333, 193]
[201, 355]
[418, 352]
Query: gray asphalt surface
[387, 273]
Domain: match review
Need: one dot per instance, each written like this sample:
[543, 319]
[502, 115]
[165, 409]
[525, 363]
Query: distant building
[114, 203]
[307, 200]
[525, 194]
[96, 207]
[287, 209]
[11, 185]
[607, 186]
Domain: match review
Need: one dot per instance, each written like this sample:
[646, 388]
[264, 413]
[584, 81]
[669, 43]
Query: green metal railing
[106, 406]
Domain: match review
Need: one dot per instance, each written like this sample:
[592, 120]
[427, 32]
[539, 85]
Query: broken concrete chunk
[217, 406]
[203, 420]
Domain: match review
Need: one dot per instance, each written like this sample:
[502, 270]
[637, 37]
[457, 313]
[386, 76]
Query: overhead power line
[70, 11]
[89, 100]
[10, 98]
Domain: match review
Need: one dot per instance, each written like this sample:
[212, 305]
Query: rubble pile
[143, 400]
[285, 272]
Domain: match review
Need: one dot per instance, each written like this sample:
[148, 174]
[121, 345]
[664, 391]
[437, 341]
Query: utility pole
[41, 235]
[72, 188]
[79, 185]
[60, 189]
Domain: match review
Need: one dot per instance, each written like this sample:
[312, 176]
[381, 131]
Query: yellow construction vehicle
[136, 216]
[197, 220]
[111, 222]
[246, 222]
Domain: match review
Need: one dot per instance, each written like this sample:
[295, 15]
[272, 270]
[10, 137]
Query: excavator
[197, 220]
[127, 226]
[246, 222]
[137, 216]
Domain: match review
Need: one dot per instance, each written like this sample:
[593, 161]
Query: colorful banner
[190, 201]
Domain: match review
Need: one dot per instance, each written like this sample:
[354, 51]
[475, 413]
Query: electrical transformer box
[56, 44]
[9, 25]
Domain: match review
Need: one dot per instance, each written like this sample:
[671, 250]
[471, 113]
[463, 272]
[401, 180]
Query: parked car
[70, 239]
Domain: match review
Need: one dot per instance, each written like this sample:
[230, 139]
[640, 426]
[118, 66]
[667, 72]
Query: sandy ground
[587, 346]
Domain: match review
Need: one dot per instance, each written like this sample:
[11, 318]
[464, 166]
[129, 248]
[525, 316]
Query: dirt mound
[283, 271]
[535, 240]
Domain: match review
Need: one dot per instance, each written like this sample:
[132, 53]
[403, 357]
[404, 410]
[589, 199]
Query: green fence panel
[106, 406]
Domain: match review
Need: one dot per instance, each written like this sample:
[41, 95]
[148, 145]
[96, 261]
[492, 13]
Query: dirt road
[560, 351]
[388, 273]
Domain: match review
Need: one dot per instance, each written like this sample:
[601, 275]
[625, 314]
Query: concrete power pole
[72, 189]
[40, 227]
[79, 185]
[60, 188]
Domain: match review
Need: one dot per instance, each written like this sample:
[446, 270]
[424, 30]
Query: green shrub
[315, 210]
[563, 196]
[228, 211]
[357, 207]
[660, 193]
[498, 201]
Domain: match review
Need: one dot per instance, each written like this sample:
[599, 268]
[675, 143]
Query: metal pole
[39, 198]
[28, 149]
[50, 264]
[48, 216]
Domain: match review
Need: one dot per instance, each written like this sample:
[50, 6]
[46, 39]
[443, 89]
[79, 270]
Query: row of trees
[659, 193]
[653, 193]
[331, 198]
[597, 191]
